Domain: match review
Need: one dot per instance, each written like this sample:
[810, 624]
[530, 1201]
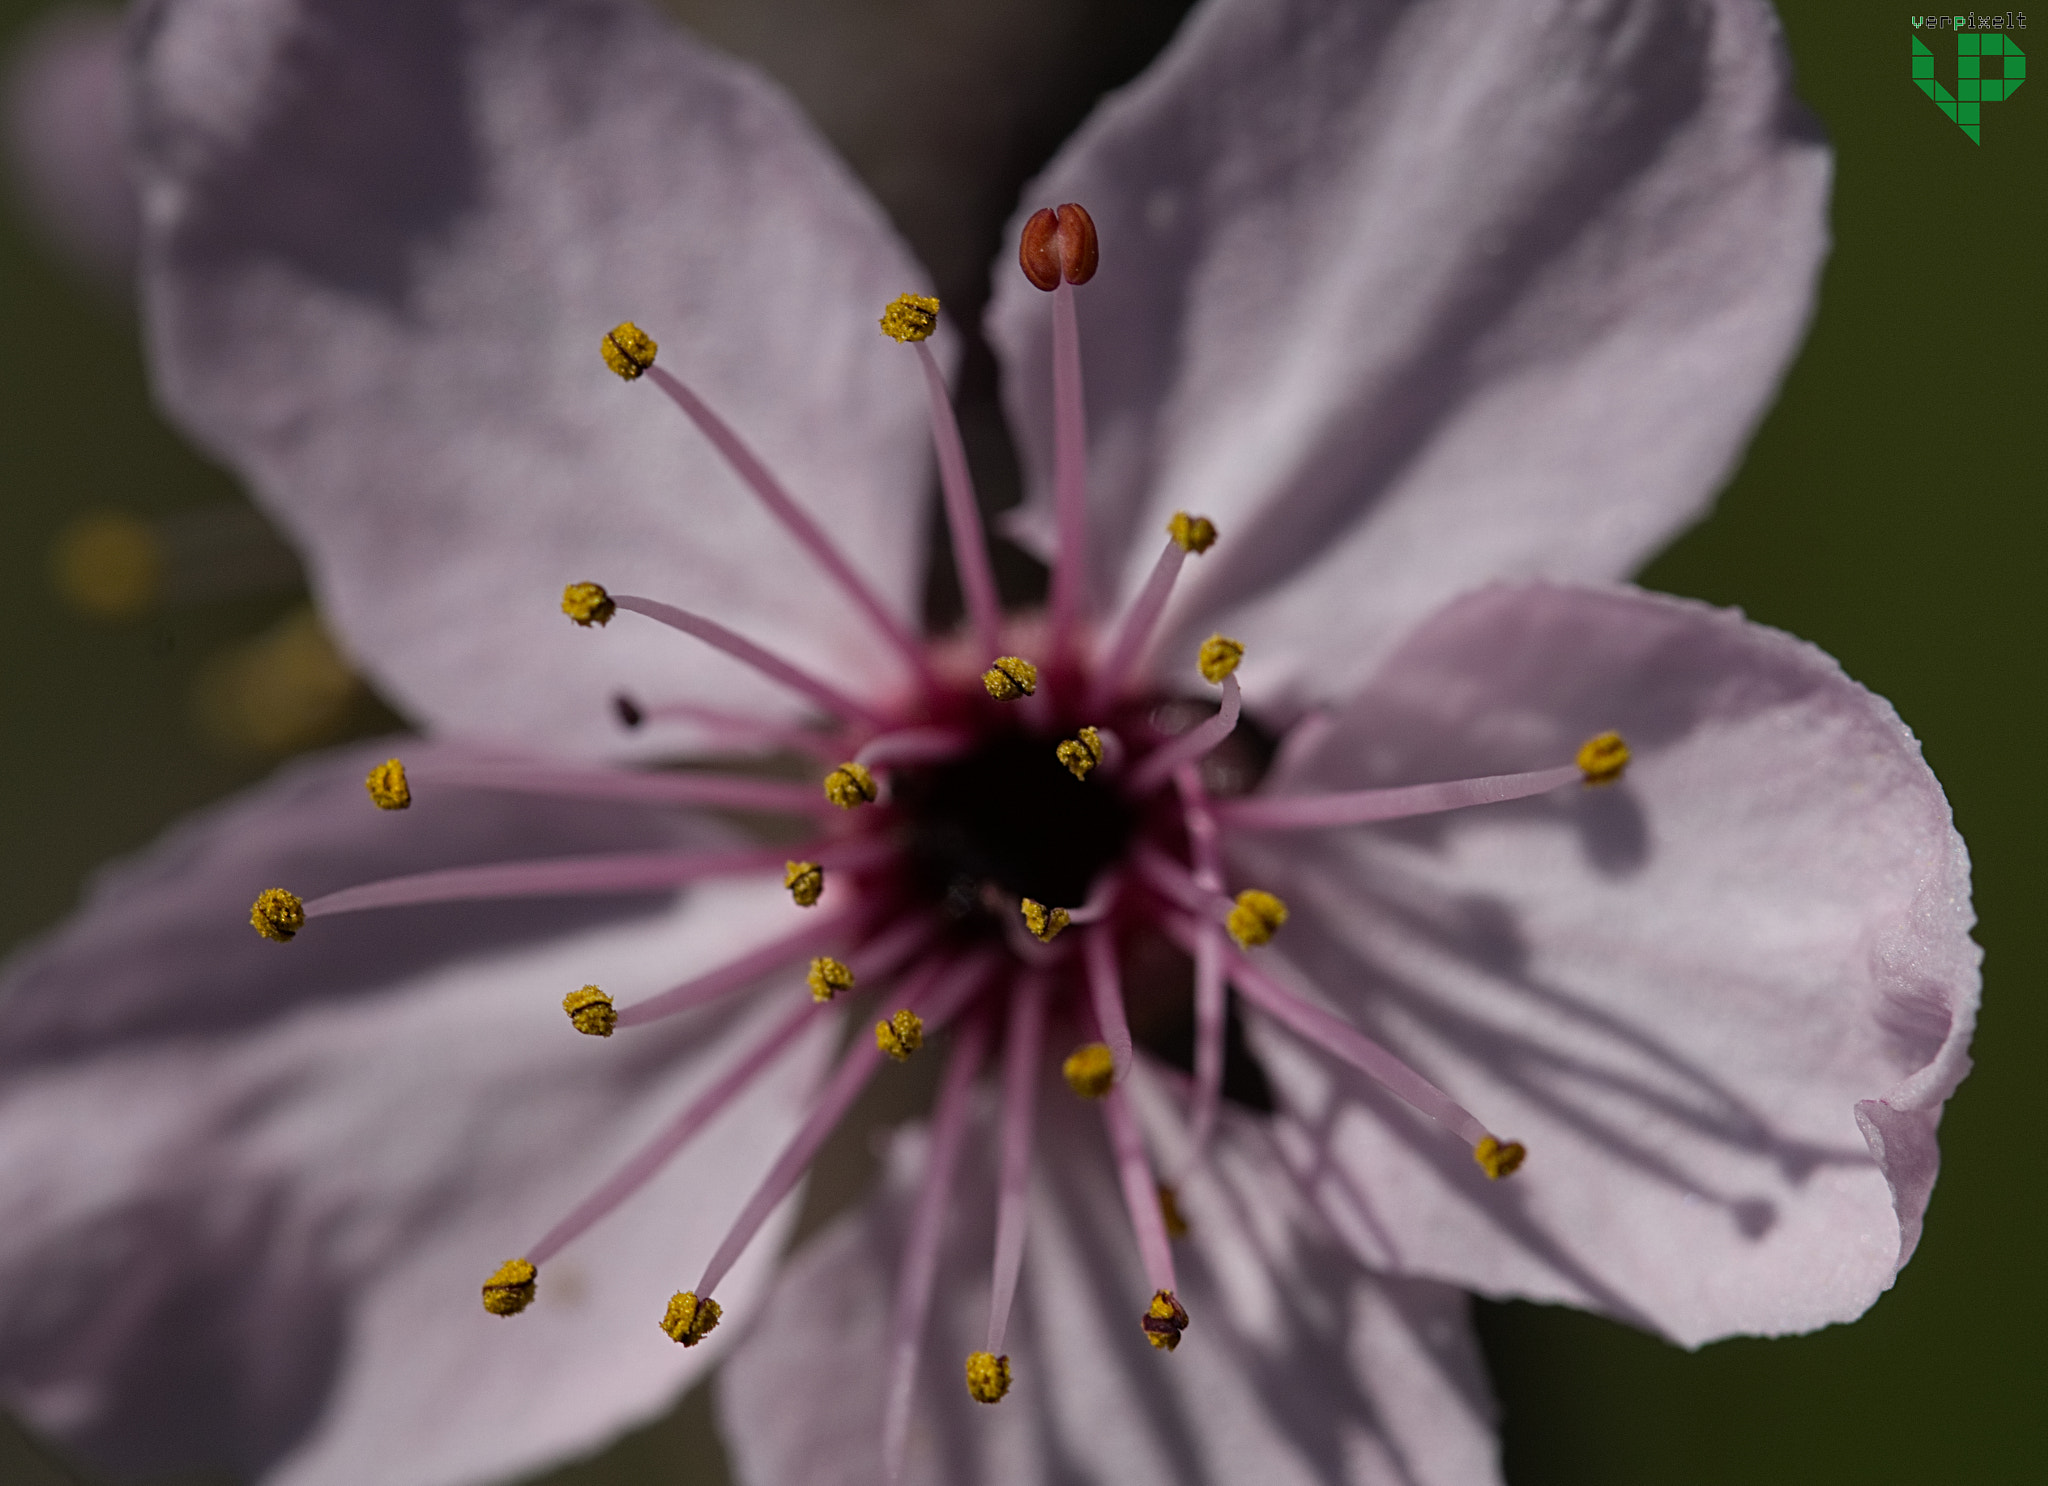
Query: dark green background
[1890, 510]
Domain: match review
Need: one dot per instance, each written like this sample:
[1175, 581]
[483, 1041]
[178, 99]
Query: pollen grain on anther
[588, 604]
[511, 1287]
[828, 977]
[387, 786]
[591, 1012]
[805, 882]
[277, 914]
[1011, 677]
[628, 350]
[1602, 759]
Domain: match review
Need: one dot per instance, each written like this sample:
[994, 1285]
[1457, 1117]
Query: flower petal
[381, 255]
[1721, 1001]
[253, 1190]
[1297, 1367]
[1412, 297]
[67, 124]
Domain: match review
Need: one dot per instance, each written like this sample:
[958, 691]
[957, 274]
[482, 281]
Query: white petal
[1411, 297]
[1721, 1002]
[381, 253]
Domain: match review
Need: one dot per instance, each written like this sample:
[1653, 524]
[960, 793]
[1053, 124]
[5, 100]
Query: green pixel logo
[1973, 89]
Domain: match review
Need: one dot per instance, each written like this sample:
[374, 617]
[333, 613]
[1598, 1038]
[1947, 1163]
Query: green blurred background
[1891, 510]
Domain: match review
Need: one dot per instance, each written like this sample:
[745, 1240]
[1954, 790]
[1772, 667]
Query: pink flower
[1445, 316]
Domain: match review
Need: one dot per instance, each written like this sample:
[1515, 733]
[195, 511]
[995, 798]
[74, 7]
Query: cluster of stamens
[1008, 930]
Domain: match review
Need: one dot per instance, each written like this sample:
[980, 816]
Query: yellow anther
[387, 786]
[1256, 919]
[510, 1290]
[901, 1035]
[1165, 1319]
[1195, 534]
[590, 1012]
[278, 914]
[1010, 677]
[805, 881]
[1218, 657]
[988, 1377]
[828, 978]
[850, 785]
[689, 1320]
[629, 350]
[1169, 1211]
[1081, 753]
[910, 317]
[1603, 758]
[1498, 1158]
[109, 565]
[588, 604]
[1045, 923]
[1090, 1069]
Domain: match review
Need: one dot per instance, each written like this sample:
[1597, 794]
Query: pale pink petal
[1721, 1001]
[381, 252]
[1297, 1366]
[1408, 297]
[253, 1189]
[67, 138]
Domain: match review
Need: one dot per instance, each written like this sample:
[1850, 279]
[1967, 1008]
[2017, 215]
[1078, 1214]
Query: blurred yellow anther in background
[1170, 1213]
[1090, 1069]
[805, 881]
[988, 1377]
[1256, 918]
[1498, 1158]
[387, 786]
[910, 317]
[1195, 534]
[1218, 657]
[510, 1290]
[590, 1012]
[689, 1320]
[901, 1035]
[828, 977]
[629, 350]
[1603, 758]
[278, 914]
[1010, 677]
[108, 565]
[850, 785]
[1081, 753]
[588, 604]
[1044, 923]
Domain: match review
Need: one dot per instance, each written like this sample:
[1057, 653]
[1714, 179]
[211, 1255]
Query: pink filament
[1158, 766]
[724, 791]
[568, 877]
[920, 1266]
[1141, 1191]
[963, 515]
[1136, 626]
[647, 1161]
[1170, 879]
[769, 664]
[1341, 1040]
[1070, 471]
[748, 731]
[920, 745]
[703, 989]
[1362, 806]
[1024, 1040]
[748, 466]
[1106, 993]
[1210, 1001]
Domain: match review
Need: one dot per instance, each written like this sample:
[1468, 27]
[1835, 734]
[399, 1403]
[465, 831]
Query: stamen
[963, 513]
[717, 791]
[1044, 923]
[702, 989]
[1106, 995]
[1059, 245]
[741, 730]
[1497, 1158]
[1010, 677]
[1210, 1001]
[387, 786]
[644, 1163]
[688, 1319]
[947, 987]
[1023, 1041]
[1059, 249]
[988, 1377]
[1081, 753]
[920, 1266]
[922, 745]
[850, 786]
[629, 351]
[1164, 1320]
[1170, 1213]
[1141, 1197]
[510, 1289]
[1603, 758]
[1196, 743]
[1218, 657]
[901, 1035]
[588, 604]
[809, 535]
[1364, 806]
[805, 881]
[828, 977]
[1090, 1070]
[591, 1012]
[910, 317]
[277, 914]
[773, 666]
[1256, 918]
[1184, 534]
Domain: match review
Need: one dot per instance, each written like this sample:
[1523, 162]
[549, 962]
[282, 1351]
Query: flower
[1421, 327]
